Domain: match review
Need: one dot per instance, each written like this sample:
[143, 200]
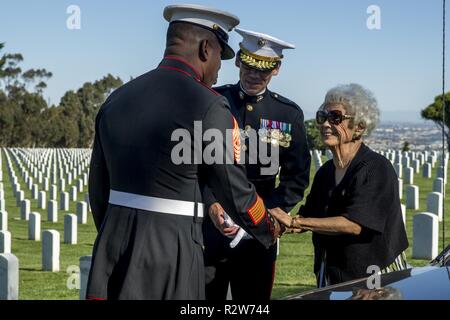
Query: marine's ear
[204, 50]
[276, 71]
[237, 62]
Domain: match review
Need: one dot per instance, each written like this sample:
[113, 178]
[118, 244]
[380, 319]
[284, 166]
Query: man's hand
[287, 220]
[281, 216]
[279, 229]
[217, 215]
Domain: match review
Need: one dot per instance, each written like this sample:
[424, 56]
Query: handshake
[283, 223]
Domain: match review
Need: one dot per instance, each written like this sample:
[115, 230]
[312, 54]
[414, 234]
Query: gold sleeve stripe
[257, 211]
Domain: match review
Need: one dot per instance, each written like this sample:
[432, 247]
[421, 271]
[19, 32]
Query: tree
[405, 147]
[81, 107]
[10, 70]
[26, 120]
[36, 75]
[20, 109]
[434, 113]
[313, 135]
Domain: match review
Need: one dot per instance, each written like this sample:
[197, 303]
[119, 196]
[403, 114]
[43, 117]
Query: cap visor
[227, 52]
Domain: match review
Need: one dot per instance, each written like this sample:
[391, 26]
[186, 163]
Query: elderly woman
[353, 208]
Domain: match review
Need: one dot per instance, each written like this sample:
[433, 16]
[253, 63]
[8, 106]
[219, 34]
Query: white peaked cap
[218, 21]
[260, 50]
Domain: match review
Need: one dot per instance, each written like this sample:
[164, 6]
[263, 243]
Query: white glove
[241, 234]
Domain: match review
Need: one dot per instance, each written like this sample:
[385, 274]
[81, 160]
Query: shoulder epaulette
[284, 100]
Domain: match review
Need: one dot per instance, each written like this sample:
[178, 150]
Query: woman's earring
[356, 137]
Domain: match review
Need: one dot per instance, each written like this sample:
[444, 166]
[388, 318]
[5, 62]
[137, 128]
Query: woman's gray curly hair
[357, 101]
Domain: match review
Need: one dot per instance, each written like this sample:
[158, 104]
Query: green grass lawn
[294, 265]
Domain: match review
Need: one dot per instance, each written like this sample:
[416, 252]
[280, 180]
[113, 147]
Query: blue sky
[401, 63]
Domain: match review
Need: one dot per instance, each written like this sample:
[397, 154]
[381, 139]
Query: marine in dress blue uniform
[148, 210]
[278, 122]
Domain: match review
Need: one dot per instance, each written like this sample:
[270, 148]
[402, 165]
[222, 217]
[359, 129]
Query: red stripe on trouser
[273, 277]
[94, 298]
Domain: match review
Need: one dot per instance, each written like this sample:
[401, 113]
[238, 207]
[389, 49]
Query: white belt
[137, 201]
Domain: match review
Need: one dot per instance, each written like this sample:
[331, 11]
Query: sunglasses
[334, 117]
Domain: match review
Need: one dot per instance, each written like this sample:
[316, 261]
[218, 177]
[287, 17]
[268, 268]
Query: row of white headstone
[50, 238]
[42, 195]
[44, 177]
[425, 228]
[9, 270]
[425, 224]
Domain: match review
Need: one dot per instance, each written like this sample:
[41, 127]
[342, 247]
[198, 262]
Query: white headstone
[2, 205]
[34, 226]
[3, 220]
[73, 193]
[403, 207]
[400, 188]
[86, 199]
[412, 197]
[409, 175]
[441, 173]
[421, 158]
[82, 212]
[425, 236]
[434, 204]
[5, 242]
[35, 192]
[46, 184]
[70, 229]
[80, 185]
[438, 185]
[427, 170]
[50, 250]
[52, 211]
[42, 200]
[25, 209]
[62, 184]
[85, 267]
[20, 196]
[406, 162]
[431, 160]
[329, 154]
[398, 169]
[9, 277]
[416, 166]
[64, 201]
[53, 192]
